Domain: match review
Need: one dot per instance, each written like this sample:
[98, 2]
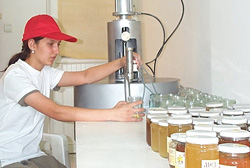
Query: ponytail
[24, 54]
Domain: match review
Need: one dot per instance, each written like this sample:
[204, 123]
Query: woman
[24, 95]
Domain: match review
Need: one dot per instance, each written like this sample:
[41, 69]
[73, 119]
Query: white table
[115, 145]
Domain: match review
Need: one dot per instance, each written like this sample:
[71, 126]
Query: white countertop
[115, 145]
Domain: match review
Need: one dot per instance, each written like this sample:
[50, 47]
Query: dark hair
[24, 54]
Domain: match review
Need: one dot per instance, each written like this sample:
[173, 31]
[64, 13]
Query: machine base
[106, 94]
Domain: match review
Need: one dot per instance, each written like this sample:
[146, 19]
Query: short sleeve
[16, 86]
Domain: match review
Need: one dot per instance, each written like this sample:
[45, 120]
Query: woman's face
[45, 52]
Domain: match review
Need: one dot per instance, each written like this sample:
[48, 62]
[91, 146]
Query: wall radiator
[65, 96]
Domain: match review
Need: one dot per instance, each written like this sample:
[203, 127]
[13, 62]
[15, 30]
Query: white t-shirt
[21, 126]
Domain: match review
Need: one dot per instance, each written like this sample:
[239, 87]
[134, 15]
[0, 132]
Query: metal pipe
[129, 75]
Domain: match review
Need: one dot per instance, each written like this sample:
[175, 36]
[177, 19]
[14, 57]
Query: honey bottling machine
[124, 38]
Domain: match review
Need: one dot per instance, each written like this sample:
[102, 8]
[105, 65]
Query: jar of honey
[148, 122]
[177, 125]
[172, 148]
[154, 127]
[201, 133]
[235, 112]
[214, 105]
[162, 138]
[180, 152]
[235, 120]
[239, 136]
[234, 155]
[202, 152]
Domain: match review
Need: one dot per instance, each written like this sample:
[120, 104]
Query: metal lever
[129, 75]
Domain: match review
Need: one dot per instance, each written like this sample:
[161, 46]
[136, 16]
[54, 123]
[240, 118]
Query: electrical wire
[153, 70]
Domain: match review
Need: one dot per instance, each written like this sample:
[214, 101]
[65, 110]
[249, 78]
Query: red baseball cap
[45, 26]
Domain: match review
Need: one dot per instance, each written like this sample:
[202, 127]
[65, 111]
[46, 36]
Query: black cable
[164, 41]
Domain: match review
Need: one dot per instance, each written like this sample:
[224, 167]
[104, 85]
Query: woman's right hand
[124, 111]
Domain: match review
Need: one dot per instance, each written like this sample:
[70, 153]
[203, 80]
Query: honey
[177, 125]
[154, 127]
[148, 122]
[239, 136]
[202, 152]
[234, 155]
[162, 138]
[172, 148]
[180, 152]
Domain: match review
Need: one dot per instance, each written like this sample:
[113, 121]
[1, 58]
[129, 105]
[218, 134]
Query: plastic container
[214, 105]
[177, 125]
[172, 148]
[180, 152]
[239, 136]
[162, 138]
[201, 152]
[233, 155]
[236, 120]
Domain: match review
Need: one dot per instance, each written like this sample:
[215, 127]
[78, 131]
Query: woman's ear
[31, 44]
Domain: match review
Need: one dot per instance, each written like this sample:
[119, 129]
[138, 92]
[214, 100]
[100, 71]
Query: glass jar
[214, 105]
[180, 152]
[172, 148]
[207, 127]
[236, 120]
[177, 125]
[234, 155]
[201, 152]
[201, 133]
[154, 127]
[162, 138]
[148, 122]
[195, 111]
[232, 112]
[240, 137]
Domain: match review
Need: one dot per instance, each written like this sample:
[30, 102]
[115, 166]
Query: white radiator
[65, 96]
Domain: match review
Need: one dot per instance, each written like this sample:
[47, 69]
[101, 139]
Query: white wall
[230, 49]
[210, 50]
[16, 13]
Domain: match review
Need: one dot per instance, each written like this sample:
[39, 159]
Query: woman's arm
[92, 74]
[121, 112]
